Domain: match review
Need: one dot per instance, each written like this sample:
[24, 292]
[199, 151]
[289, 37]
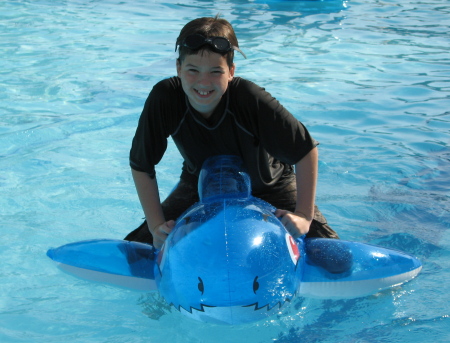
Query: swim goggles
[218, 44]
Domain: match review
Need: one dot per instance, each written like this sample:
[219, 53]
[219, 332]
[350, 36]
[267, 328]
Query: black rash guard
[248, 122]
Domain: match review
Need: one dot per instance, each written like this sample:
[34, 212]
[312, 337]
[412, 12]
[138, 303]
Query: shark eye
[255, 285]
[200, 286]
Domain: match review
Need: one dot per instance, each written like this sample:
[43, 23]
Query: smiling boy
[204, 78]
[208, 111]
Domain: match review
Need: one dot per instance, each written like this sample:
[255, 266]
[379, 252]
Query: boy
[208, 111]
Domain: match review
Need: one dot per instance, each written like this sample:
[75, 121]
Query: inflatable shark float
[230, 260]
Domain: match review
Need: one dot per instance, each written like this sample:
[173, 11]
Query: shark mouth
[231, 315]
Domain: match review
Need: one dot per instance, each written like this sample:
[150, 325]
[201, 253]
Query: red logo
[293, 248]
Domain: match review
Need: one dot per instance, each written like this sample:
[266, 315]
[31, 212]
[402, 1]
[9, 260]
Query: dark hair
[207, 27]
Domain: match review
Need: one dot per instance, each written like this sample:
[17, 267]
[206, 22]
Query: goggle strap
[237, 49]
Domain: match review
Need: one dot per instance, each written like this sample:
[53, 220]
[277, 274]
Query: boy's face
[204, 77]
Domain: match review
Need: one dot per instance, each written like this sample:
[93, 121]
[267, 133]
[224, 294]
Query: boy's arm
[147, 189]
[306, 171]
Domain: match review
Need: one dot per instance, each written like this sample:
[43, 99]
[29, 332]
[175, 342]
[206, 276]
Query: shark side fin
[342, 269]
[120, 263]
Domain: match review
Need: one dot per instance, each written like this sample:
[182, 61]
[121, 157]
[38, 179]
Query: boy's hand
[160, 233]
[295, 223]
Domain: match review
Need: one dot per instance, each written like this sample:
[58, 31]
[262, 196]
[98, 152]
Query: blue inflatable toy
[230, 260]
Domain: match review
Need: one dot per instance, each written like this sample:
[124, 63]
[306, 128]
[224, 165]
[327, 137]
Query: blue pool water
[370, 79]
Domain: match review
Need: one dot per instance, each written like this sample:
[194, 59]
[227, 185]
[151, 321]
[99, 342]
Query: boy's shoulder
[246, 89]
[245, 86]
[166, 90]
[240, 82]
[171, 83]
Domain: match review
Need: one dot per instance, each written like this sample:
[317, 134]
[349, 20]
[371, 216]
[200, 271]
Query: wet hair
[207, 27]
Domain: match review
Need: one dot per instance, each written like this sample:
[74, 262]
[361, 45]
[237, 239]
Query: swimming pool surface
[371, 81]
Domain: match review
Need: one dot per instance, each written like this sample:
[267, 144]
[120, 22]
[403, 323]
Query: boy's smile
[204, 77]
